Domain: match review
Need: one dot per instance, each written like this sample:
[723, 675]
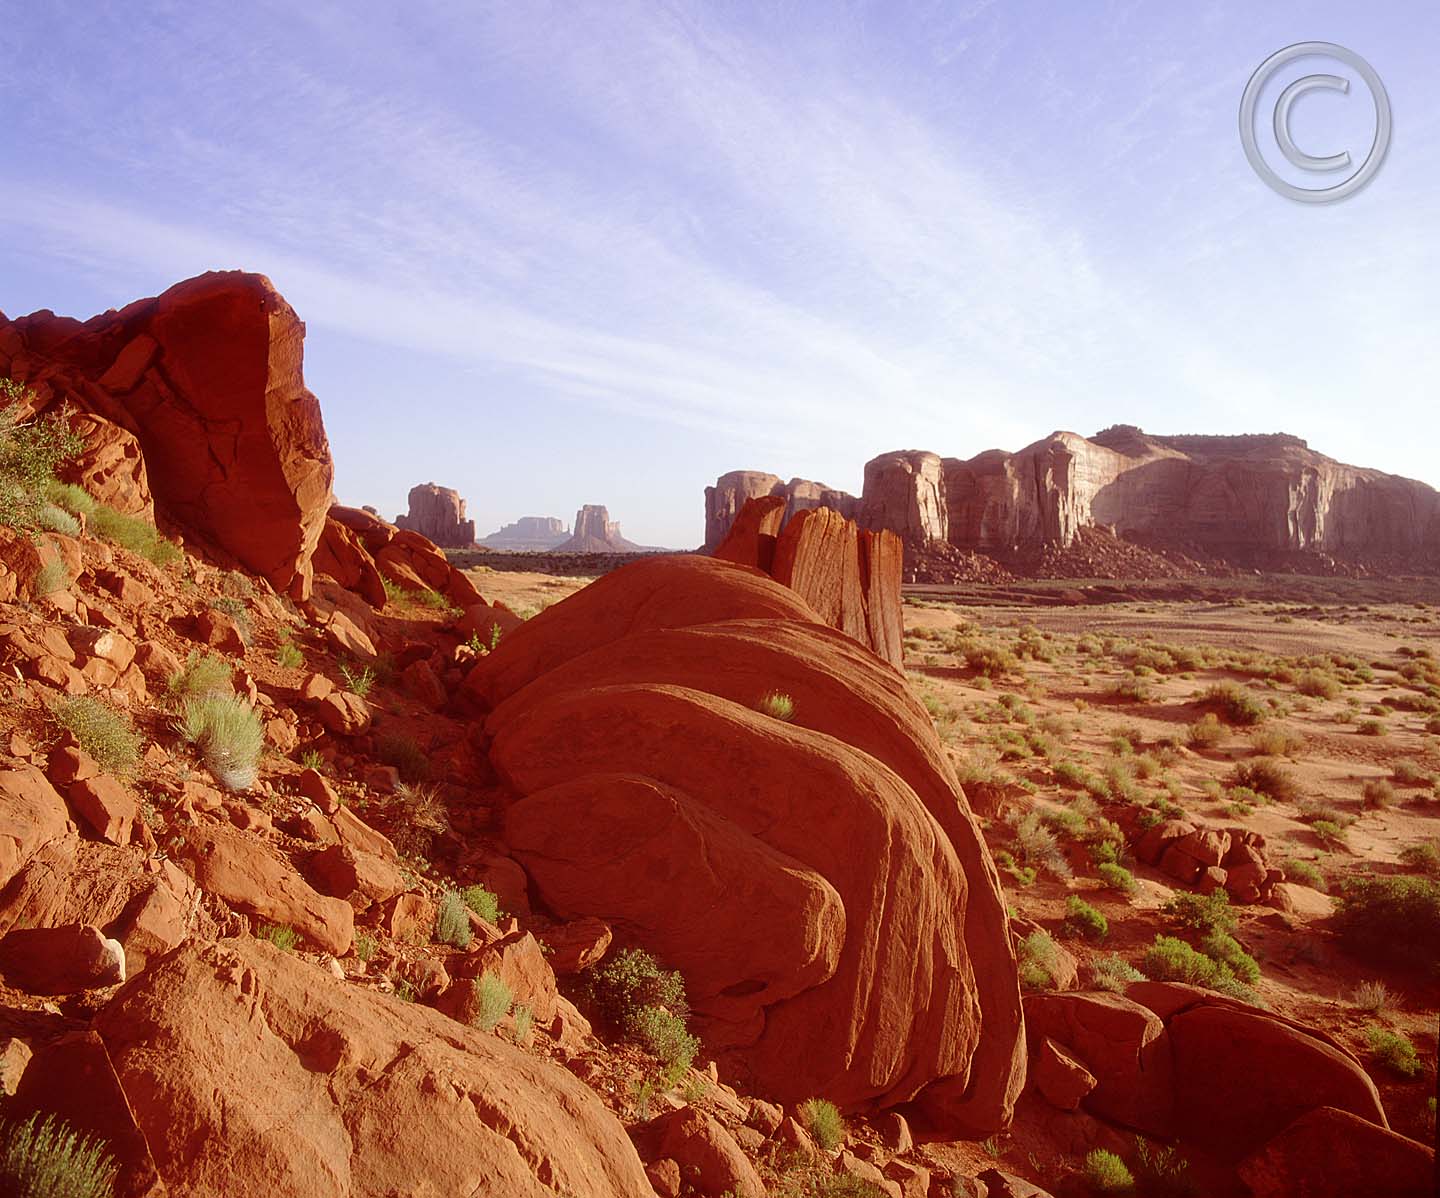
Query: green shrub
[1116, 877]
[1235, 704]
[483, 902]
[288, 655]
[777, 705]
[1318, 685]
[1371, 728]
[228, 733]
[492, 998]
[662, 1033]
[1275, 741]
[1392, 919]
[138, 536]
[1204, 913]
[45, 1158]
[51, 577]
[1081, 919]
[1410, 773]
[1038, 958]
[1172, 960]
[1305, 873]
[1206, 732]
[1329, 832]
[1393, 1051]
[434, 600]
[1038, 847]
[357, 682]
[452, 921]
[1423, 857]
[1222, 947]
[365, 946]
[524, 1019]
[1268, 778]
[285, 939]
[106, 734]
[69, 498]
[56, 519]
[30, 452]
[822, 1120]
[1112, 972]
[1106, 1173]
[201, 675]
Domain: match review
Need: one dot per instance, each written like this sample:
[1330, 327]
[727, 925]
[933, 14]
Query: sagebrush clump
[822, 1120]
[46, 1158]
[636, 996]
[228, 733]
[102, 731]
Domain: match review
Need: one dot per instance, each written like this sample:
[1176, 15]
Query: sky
[557, 254]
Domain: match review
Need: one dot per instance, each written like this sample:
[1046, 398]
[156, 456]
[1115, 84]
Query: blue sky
[554, 254]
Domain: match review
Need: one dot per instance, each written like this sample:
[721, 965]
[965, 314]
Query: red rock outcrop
[298, 1086]
[625, 723]
[850, 577]
[438, 514]
[1244, 499]
[206, 379]
[724, 501]
[595, 532]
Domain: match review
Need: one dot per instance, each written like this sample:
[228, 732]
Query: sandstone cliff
[1244, 499]
[595, 532]
[529, 534]
[438, 514]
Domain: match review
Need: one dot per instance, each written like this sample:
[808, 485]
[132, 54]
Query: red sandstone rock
[438, 513]
[61, 960]
[341, 555]
[106, 806]
[361, 1094]
[343, 713]
[751, 539]
[1062, 1079]
[358, 877]
[577, 945]
[31, 816]
[710, 1161]
[648, 749]
[1331, 1153]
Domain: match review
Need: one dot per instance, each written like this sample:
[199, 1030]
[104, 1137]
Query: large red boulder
[250, 1071]
[886, 971]
[207, 380]
[1330, 1153]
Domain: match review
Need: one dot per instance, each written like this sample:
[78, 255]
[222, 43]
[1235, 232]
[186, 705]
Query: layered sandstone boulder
[850, 577]
[206, 380]
[249, 1071]
[652, 793]
[725, 500]
[438, 514]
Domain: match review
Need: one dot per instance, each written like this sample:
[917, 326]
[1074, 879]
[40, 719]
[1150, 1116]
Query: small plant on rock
[30, 452]
[202, 674]
[822, 1120]
[777, 705]
[1038, 958]
[51, 577]
[46, 1158]
[524, 1019]
[1081, 919]
[1116, 877]
[227, 731]
[483, 902]
[452, 921]
[1112, 972]
[492, 998]
[1393, 1051]
[103, 732]
[1372, 996]
[1106, 1173]
[357, 682]
[285, 939]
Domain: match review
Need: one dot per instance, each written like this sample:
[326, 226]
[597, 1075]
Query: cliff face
[1230, 497]
[731, 491]
[438, 513]
[529, 533]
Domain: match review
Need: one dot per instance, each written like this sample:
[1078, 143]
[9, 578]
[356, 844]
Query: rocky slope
[1254, 501]
[438, 514]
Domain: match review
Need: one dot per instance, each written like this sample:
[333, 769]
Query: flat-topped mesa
[438, 513]
[529, 534]
[595, 532]
[724, 500]
[1241, 498]
[197, 396]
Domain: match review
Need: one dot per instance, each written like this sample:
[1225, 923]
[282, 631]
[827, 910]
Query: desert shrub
[1423, 857]
[434, 600]
[201, 675]
[1410, 773]
[1203, 913]
[452, 921]
[485, 903]
[357, 682]
[30, 452]
[51, 577]
[228, 733]
[1172, 960]
[1393, 919]
[1235, 704]
[1021, 875]
[1276, 742]
[1393, 1051]
[365, 946]
[103, 732]
[69, 498]
[1161, 1172]
[491, 997]
[629, 982]
[313, 759]
[1116, 877]
[1038, 958]
[1206, 732]
[235, 608]
[524, 1020]
[777, 705]
[1037, 846]
[1377, 793]
[822, 1120]
[1106, 1173]
[57, 519]
[288, 655]
[988, 660]
[1318, 685]
[285, 939]
[1112, 972]
[405, 754]
[1305, 873]
[1372, 996]
[1371, 728]
[1072, 774]
[1082, 919]
[1267, 777]
[1329, 832]
[662, 1033]
[1221, 946]
[1132, 690]
[46, 1158]
[138, 536]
